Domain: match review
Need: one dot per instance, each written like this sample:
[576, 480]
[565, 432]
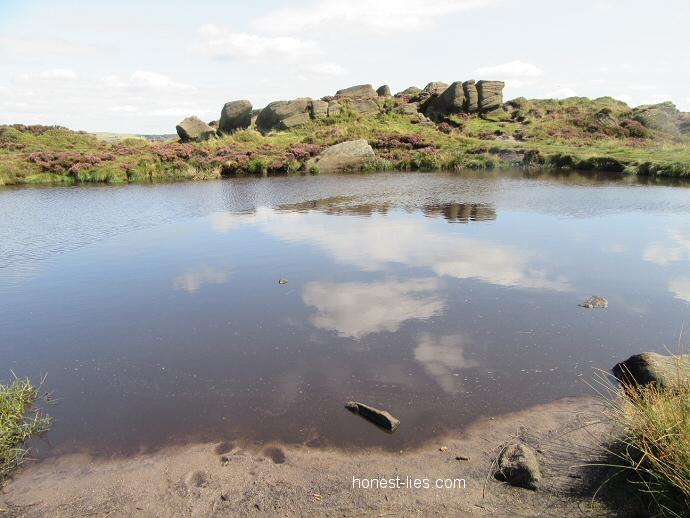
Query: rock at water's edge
[519, 466]
[346, 156]
[652, 368]
[193, 129]
[380, 417]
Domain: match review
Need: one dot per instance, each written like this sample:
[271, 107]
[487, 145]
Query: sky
[143, 66]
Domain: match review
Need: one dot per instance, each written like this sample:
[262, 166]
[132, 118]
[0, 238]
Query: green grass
[19, 421]
[575, 133]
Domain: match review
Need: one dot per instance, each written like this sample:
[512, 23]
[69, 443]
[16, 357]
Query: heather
[575, 133]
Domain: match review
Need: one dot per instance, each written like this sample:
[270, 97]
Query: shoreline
[275, 480]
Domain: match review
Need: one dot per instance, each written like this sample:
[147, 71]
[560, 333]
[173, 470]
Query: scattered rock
[346, 156]
[282, 281]
[213, 124]
[652, 368]
[490, 95]
[364, 106]
[594, 301]
[277, 112]
[319, 110]
[380, 417]
[449, 102]
[235, 115]
[471, 96]
[193, 129]
[359, 91]
[657, 119]
[295, 120]
[519, 466]
[384, 91]
[334, 109]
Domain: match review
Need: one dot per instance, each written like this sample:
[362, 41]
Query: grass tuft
[19, 421]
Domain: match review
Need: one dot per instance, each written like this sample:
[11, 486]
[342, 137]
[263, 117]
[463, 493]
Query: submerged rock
[594, 301]
[235, 115]
[652, 368]
[282, 281]
[519, 466]
[346, 156]
[193, 129]
[380, 417]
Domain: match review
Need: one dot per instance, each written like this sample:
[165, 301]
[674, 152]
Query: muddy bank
[233, 479]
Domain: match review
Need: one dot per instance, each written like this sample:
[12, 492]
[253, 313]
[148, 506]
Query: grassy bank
[575, 133]
[19, 421]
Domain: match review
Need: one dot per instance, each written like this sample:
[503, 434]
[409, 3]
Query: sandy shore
[208, 480]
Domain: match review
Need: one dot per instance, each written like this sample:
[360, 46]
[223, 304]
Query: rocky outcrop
[277, 113]
[471, 96]
[235, 115]
[489, 95]
[334, 109]
[451, 101]
[319, 110]
[359, 91]
[193, 129]
[519, 466]
[657, 119]
[347, 156]
[380, 417]
[384, 91]
[435, 88]
[652, 368]
[364, 106]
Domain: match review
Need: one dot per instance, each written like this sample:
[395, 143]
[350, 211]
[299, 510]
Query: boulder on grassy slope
[359, 91]
[451, 101]
[490, 95]
[193, 129]
[276, 112]
[652, 368]
[346, 156]
[235, 115]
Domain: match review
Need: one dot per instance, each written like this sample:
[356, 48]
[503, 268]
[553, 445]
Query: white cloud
[443, 356]
[146, 81]
[195, 278]
[662, 254]
[34, 44]
[380, 16]
[356, 309]
[624, 97]
[680, 287]
[325, 69]
[57, 74]
[372, 244]
[221, 44]
[512, 69]
[561, 93]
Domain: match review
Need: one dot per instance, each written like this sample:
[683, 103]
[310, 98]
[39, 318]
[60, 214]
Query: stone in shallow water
[380, 417]
[594, 302]
[282, 281]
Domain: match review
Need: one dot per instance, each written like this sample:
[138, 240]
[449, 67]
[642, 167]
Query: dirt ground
[210, 480]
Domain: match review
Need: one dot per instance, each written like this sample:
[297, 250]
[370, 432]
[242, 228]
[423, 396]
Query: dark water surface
[157, 313]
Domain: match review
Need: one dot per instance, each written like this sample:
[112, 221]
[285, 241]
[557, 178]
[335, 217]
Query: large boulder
[451, 100]
[360, 91]
[235, 115]
[519, 466]
[435, 88]
[319, 110]
[297, 119]
[364, 106]
[384, 91]
[490, 95]
[652, 368]
[471, 96]
[346, 156]
[193, 129]
[276, 112]
[657, 119]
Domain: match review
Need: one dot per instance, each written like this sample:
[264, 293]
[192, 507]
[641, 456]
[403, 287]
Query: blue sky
[142, 66]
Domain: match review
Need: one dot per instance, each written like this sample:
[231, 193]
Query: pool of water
[157, 313]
